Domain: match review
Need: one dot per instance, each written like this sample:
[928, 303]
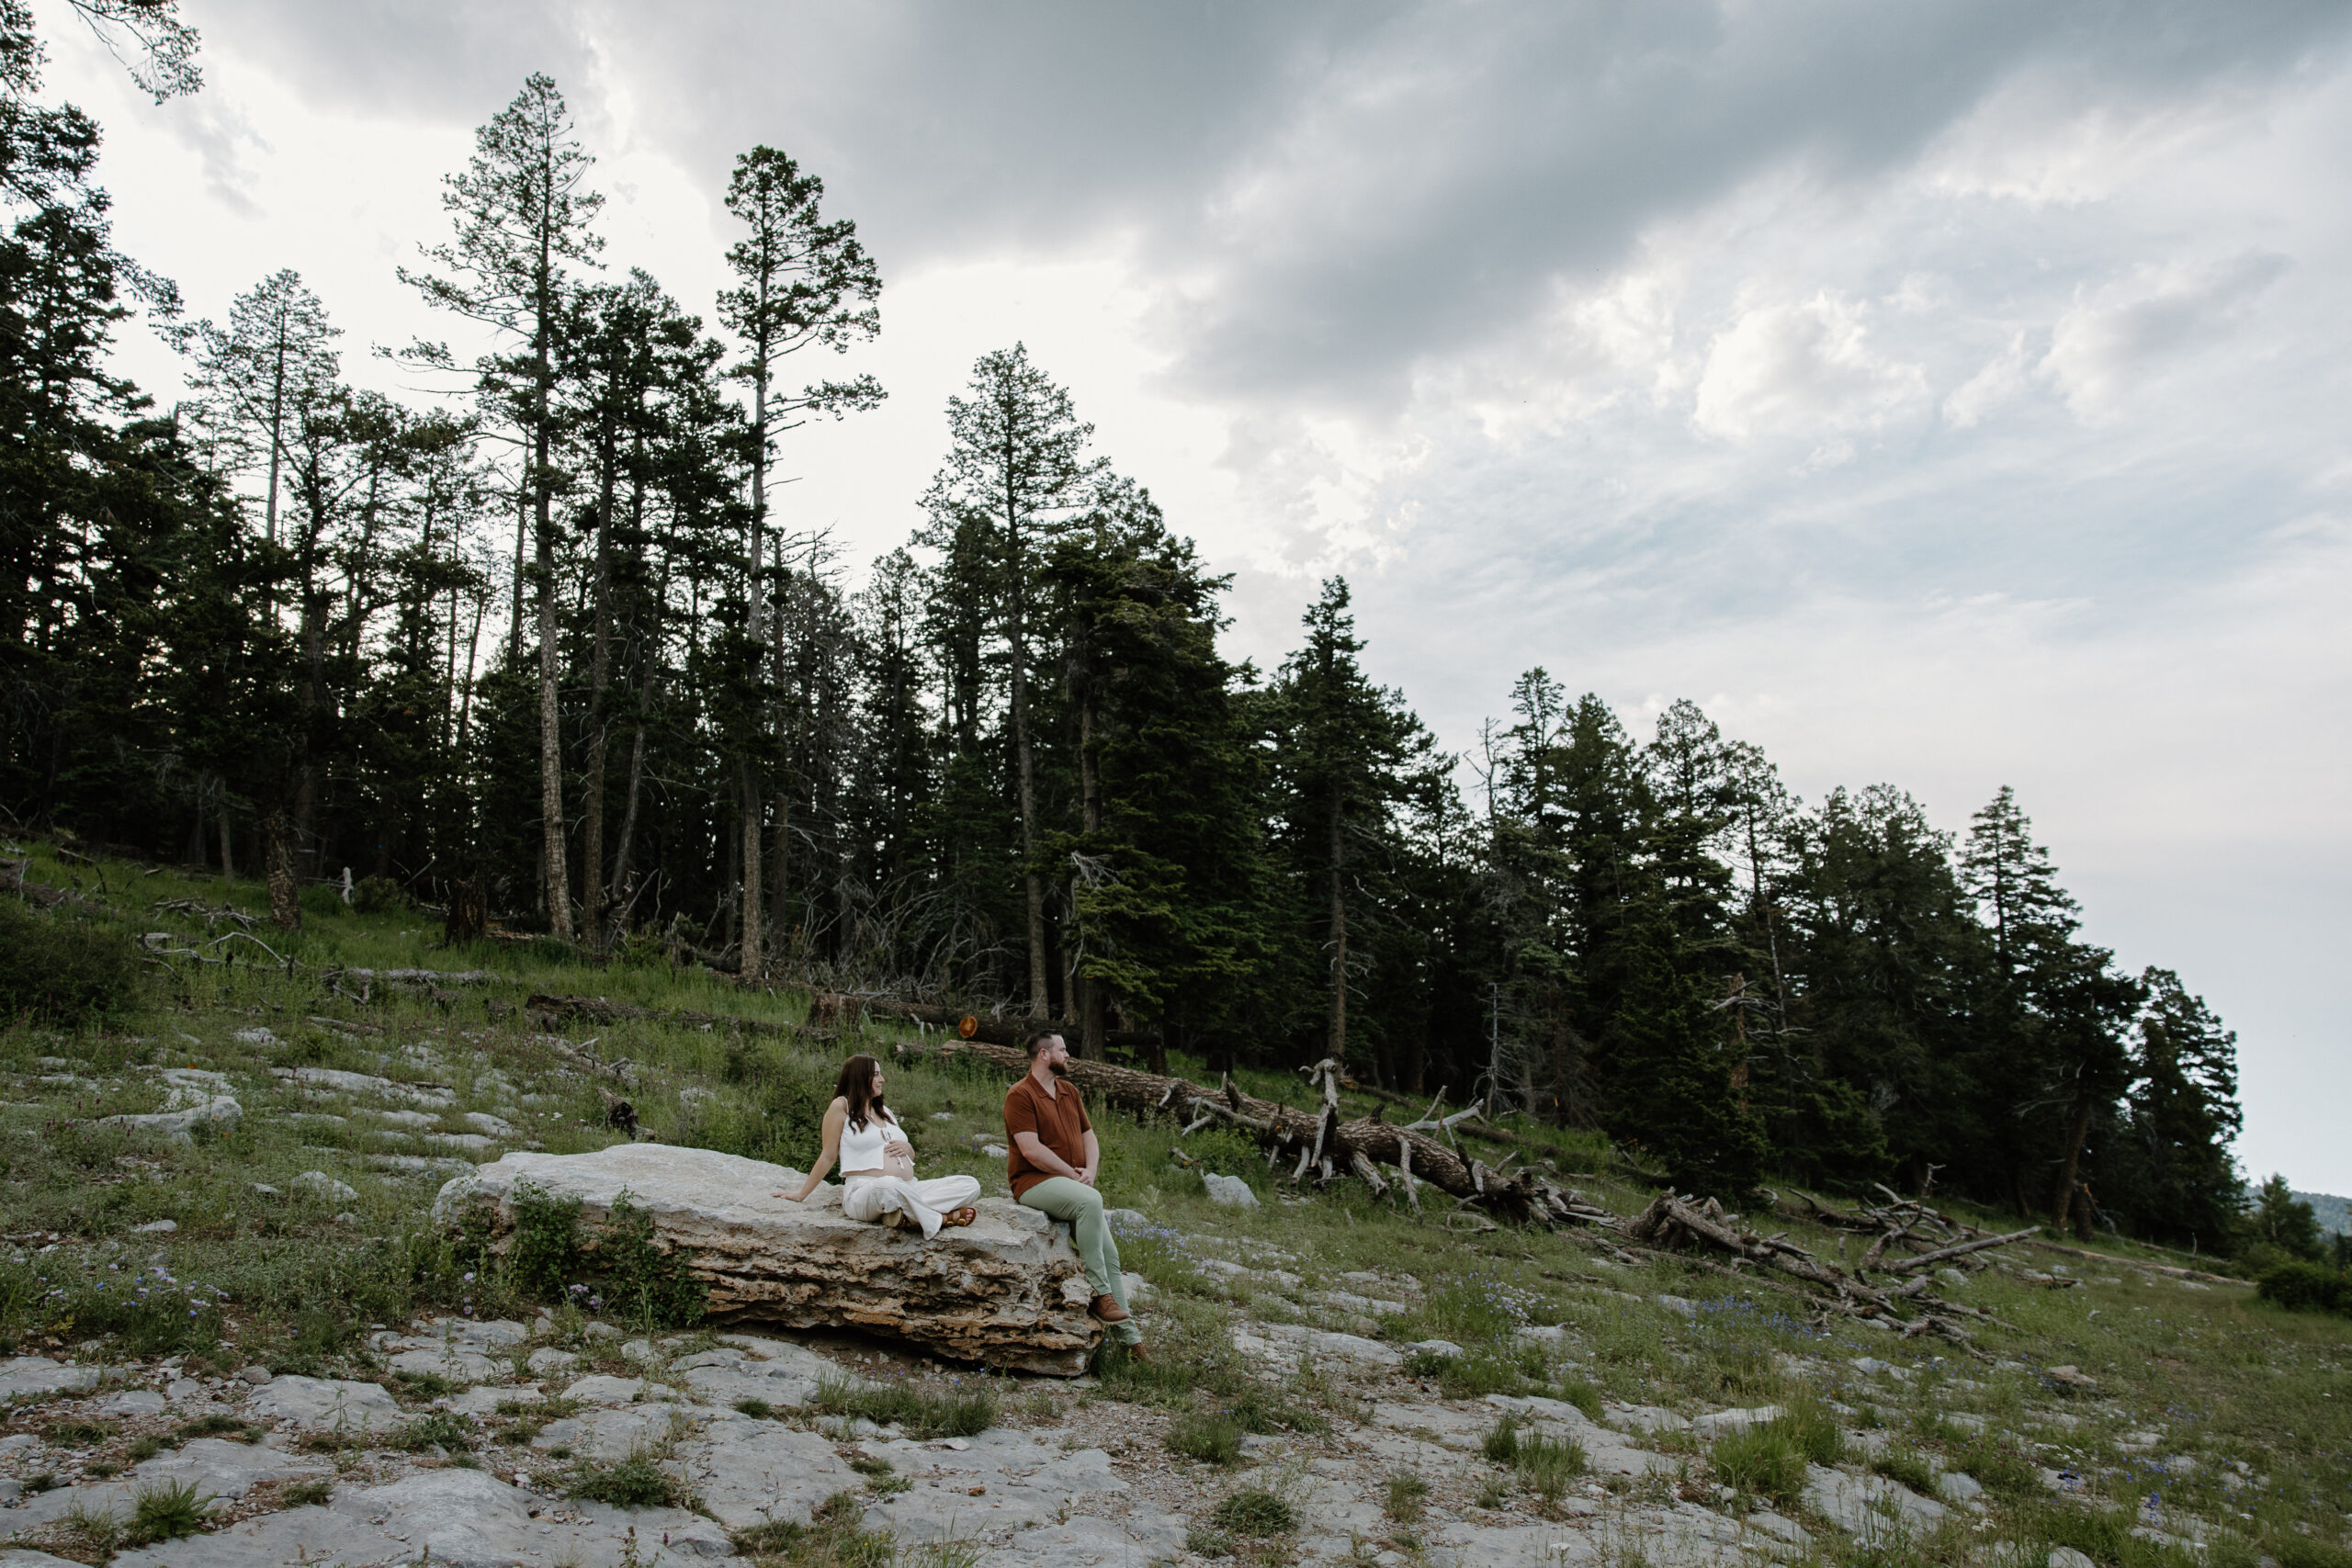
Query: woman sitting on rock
[878, 1163]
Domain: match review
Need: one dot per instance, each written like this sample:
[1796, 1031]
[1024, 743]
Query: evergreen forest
[539, 651]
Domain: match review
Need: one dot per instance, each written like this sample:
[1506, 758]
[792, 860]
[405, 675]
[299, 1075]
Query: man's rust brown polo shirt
[1058, 1120]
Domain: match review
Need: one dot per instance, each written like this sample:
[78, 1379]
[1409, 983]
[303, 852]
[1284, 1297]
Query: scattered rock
[2067, 1557]
[753, 1472]
[1958, 1486]
[1283, 1341]
[132, 1401]
[548, 1360]
[1003, 1290]
[156, 1227]
[1230, 1190]
[326, 1186]
[256, 1375]
[1869, 1507]
[328, 1404]
[1681, 1305]
[21, 1375]
[180, 1126]
[2070, 1377]
[1724, 1422]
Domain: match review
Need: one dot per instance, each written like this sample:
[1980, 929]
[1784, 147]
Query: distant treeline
[546, 649]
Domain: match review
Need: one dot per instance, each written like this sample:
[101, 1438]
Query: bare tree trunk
[1033, 883]
[228, 836]
[2079, 1129]
[558, 883]
[1091, 998]
[748, 836]
[600, 665]
[1337, 1048]
[277, 855]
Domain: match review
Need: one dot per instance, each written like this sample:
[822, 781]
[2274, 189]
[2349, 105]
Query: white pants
[896, 1200]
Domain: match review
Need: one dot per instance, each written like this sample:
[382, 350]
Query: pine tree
[802, 282]
[1345, 755]
[1017, 475]
[523, 213]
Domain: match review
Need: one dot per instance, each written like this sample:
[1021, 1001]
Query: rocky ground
[467, 1452]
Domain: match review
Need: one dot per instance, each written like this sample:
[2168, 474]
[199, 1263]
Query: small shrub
[543, 1256]
[1764, 1462]
[79, 1434]
[423, 1385]
[168, 1512]
[309, 1494]
[1406, 1493]
[1472, 1376]
[146, 1448]
[1492, 1495]
[1501, 1446]
[1907, 1466]
[1549, 1464]
[831, 1539]
[635, 1482]
[2295, 1550]
[62, 971]
[757, 1409]
[1582, 1393]
[963, 1413]
[1210, 1436]
[322, 902]
[218, 1424]
[1996, 1463]
[1814, 1431]
[645, 1283]
[2305, 1287]
[378, 895]
[435, 1429]
[1254, 1512]
[1208, 1544]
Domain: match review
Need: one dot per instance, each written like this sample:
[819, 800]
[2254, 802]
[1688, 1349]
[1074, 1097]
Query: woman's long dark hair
[857, 1086]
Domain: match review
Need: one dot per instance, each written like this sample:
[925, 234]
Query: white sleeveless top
[862, 1150]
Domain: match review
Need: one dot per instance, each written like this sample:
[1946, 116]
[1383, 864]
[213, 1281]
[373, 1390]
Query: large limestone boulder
[1006, 1289]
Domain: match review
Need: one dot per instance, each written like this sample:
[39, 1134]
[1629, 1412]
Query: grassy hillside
[303, 1224]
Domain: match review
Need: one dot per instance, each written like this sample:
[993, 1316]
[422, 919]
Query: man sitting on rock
[1052, 1160]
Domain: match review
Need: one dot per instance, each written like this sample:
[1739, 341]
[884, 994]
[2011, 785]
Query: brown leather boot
[1107, 1308]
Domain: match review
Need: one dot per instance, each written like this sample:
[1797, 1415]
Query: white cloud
[1800, 368]
[2123, 338]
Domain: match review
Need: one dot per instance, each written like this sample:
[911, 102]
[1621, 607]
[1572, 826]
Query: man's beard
[1059, 1069]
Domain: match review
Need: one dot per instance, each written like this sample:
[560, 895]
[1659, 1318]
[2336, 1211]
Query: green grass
[637, 1481]
[1405, 1496]
[1212, 1436]
[435, 1429]
[921, 1413]
[1763, 1461]
[1546, 1465]
[1254, 1512]
[831, 1539]
[2226, 1377]
[167, 1512]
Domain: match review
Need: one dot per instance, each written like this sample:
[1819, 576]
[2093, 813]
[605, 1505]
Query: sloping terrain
[236, 1338]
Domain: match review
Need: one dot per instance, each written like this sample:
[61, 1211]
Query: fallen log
[1316, 1142]
[1979, 1244]
[837, 1009]
[553, 1012]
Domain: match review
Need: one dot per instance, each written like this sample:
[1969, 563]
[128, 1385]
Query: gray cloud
[1346, 190]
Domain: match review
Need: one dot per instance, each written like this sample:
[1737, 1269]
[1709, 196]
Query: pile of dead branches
[1902, 1296]
[1318, 1145]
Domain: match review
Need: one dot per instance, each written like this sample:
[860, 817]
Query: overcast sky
[1951, 394]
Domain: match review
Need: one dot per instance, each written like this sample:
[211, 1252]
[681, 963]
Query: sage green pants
[1081, 1207]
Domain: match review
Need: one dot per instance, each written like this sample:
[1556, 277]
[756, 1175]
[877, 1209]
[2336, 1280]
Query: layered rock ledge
[1007, 1290]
